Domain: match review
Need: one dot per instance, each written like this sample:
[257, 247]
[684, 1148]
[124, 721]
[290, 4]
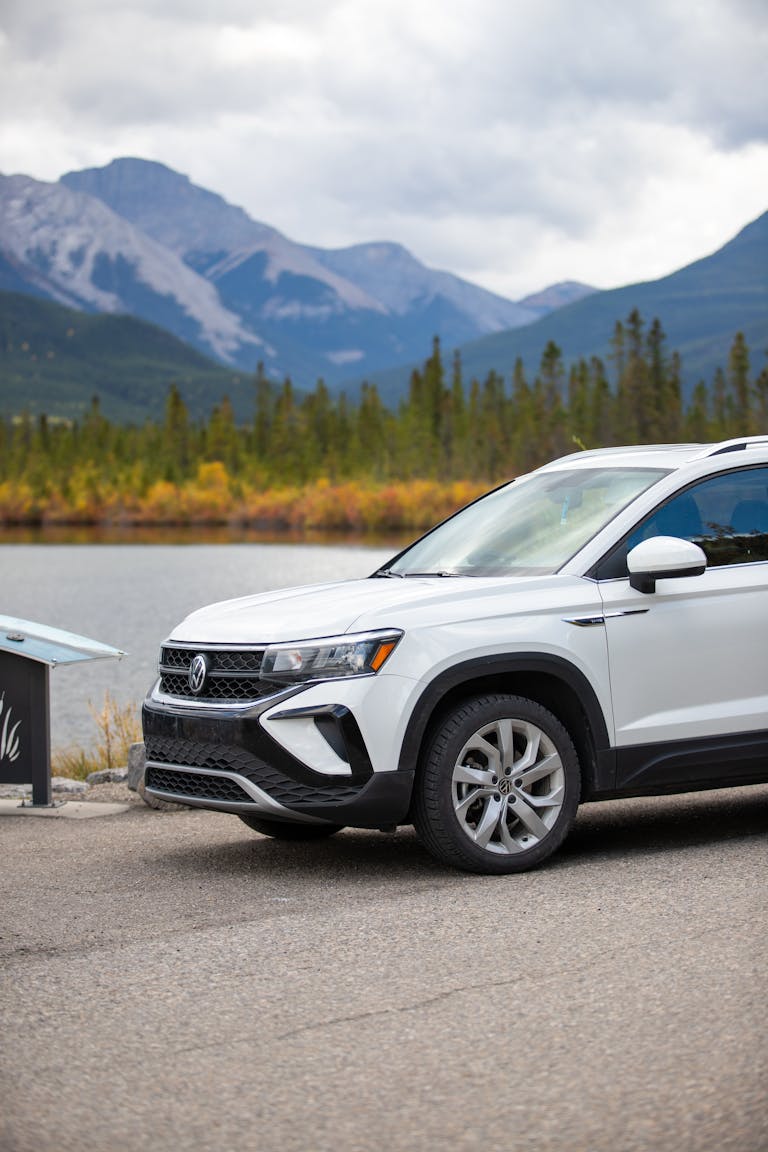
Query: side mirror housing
[663, 557]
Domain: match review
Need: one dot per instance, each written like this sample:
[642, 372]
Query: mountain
[72, 248]
[53, 359]
[137, 237]
[556, 296]
[701, 307]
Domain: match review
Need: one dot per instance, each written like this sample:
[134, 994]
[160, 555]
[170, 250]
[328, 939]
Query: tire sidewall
[435, 818]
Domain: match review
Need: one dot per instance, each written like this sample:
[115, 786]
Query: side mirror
[663, 557]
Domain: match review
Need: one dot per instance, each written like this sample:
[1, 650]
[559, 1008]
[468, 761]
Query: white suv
[598, 628]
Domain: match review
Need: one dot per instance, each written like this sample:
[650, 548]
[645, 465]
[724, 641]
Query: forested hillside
[54, 359]
[700, 306]
[317, 459]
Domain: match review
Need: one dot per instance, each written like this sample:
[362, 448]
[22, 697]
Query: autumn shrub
[18, 504]
[273, 507]
[118, 726]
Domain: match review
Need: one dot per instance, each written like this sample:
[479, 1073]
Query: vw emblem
[198, 670]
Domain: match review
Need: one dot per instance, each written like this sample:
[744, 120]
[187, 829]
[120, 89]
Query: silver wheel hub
[508, 786]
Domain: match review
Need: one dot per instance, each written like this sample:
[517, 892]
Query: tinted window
[726, 516]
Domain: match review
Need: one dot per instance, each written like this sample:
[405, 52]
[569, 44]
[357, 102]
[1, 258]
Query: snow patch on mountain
[283, 256]
[346, 356]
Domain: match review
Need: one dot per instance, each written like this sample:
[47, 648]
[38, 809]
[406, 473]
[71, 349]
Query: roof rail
[740, 444]
[622, 449]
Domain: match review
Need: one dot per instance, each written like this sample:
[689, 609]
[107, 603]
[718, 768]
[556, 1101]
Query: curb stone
[137, 760]
[107, 776]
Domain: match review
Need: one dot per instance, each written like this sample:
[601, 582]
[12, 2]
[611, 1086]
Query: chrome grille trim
[256, 798]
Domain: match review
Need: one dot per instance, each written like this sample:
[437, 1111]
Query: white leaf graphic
[13, 742]
[9, 741]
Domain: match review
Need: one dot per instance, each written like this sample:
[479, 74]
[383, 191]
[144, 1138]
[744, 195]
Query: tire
[286, 830]
[498, 786]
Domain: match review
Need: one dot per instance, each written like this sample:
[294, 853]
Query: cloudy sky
[514, 142]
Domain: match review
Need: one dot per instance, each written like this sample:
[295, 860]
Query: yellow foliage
[213, 476]
[17, 502]
[118, 727]
[212, 498]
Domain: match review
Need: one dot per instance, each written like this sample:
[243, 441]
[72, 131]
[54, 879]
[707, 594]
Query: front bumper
[225, 760]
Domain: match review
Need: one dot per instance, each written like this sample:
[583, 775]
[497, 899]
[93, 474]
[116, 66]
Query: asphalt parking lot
[174, 981]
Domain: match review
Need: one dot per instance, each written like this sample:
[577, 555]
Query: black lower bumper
[211, 759]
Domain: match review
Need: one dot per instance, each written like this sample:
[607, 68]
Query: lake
[132, 595]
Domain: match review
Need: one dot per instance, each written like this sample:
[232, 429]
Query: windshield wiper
[390, 575]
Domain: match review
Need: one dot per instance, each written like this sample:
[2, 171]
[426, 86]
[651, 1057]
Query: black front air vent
[231, 675]
[195, 786]
[169, 751]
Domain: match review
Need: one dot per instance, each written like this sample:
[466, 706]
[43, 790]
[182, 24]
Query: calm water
[131, 596]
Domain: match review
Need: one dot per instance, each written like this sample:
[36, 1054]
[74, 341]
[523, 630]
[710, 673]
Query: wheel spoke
[551, 800]
[467, 774]
[538, 771]
[530, 819]
[506, 736]
[489, 820]
[532, 741]
[490, 751]
[462, 807]
[507, 839]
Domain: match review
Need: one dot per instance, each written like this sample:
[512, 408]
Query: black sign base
[25, 725]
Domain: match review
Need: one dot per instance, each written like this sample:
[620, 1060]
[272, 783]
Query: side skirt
[688, 765]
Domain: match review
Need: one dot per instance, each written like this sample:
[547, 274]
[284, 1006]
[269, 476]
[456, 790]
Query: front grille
[232, 758]
[233, 674]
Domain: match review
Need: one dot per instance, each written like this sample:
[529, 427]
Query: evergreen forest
[318, 460]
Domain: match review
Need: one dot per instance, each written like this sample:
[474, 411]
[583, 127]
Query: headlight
[331, 658]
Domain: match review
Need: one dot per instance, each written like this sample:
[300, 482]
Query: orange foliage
[210, 499]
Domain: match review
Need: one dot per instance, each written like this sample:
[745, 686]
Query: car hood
[360, 605]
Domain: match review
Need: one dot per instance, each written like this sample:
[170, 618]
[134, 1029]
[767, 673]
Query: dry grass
[118, 727]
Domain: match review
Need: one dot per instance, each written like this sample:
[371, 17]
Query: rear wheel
[286, 830]
[498, 786]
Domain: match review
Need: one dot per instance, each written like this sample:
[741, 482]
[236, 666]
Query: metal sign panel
[25, 728]
[50, 645]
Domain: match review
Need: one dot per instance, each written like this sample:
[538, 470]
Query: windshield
[528, 528]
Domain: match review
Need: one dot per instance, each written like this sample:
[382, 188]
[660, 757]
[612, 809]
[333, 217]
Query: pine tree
[176, 454]
[578, 405]
[739, 385]
[662, 420]
[602, 421]
[722, 407]
[523, 430]
[264, 414]
[697, 418]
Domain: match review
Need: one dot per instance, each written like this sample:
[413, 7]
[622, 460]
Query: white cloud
[514, 143]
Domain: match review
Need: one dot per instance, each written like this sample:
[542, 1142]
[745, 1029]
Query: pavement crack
[425, 1002]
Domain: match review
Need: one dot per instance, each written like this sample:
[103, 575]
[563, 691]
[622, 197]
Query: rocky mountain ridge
[139, 238]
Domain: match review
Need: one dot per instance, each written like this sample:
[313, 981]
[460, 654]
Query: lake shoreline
[343, 508]
[205, 534]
